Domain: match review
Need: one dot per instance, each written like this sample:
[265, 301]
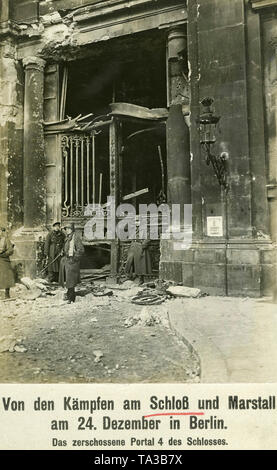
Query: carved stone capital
[33, 62]
[177, 41]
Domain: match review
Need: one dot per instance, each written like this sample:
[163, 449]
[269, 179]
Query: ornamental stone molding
[259, 4]
[9, 29]
[33, 62]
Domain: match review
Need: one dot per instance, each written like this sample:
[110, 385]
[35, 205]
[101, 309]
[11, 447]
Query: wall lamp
[207, 125]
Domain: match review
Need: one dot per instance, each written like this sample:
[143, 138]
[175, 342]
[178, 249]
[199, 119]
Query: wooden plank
[135, 194]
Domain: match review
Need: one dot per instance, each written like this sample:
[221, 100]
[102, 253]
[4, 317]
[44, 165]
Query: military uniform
[53, 246]
[138, 259]
[70, 264]
[6, 273]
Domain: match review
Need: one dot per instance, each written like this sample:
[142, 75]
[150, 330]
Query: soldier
[138, 259]
[6, 273]
[70, 265]
[53, 246]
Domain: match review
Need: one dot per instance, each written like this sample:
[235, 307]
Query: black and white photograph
[138, 193]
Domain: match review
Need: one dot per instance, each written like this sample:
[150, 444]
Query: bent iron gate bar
[78, 188]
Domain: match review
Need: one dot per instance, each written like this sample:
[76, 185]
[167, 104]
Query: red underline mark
[174, 414]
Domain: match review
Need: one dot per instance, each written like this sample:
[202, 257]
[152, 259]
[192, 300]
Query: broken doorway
[123, 70]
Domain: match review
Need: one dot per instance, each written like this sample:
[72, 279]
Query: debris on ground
[183, 291]
[20, 348]
[27, 282]
[148, 297]
[11, 344]
[128, 293]
[100, 291]
[148, 317]
[67, 342]
[7, 343]
[32, 294]
[95, 301]
[95, 274]
[98, 355]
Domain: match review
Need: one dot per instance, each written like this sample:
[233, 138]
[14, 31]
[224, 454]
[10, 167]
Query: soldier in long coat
[70, 263]
[138, 259]
[53, 246]
[6, 273]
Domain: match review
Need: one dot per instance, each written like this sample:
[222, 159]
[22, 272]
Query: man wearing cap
[70, 264]
[52, 248]
[138, 258]
[6, 273]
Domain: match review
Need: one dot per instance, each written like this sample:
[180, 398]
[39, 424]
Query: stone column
[34, 155]
[178, 148]
[172, 260]
[271, 90]
[11, 124]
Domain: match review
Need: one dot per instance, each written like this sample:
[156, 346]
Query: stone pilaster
[178, 149]
[34, 154]
[272, 151]
[272, 158]
[178, 146]
[11, 125]
[34, 169]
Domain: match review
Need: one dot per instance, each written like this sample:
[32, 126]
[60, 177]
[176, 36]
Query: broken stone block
[98, 355]
[42, 281]
[40, 285]
[32, 294]
[183, 291]
[131, 321]
[27, 282]
[7, 343]
[146, 318]
[20, 348]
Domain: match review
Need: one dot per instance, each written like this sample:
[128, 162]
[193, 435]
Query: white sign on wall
[215, 226]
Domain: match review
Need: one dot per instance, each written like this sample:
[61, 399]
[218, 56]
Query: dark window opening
[124, 70]
[95, 257]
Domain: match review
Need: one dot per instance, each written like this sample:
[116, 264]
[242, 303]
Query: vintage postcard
[138, 202]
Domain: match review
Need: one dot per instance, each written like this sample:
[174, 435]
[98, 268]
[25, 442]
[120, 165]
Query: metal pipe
[63, 92]
[71, 174]
[93, 168]
[100, 188]
[88, 185]
[82, 173]
[77, 143]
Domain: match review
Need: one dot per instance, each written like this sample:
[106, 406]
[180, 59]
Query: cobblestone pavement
[93, 340]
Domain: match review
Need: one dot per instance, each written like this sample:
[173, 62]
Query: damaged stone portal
[103, 98]
[111, 128]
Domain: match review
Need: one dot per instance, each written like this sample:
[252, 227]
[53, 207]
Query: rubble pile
[12, 344]
[148, 316]
[98, 338]
[183, 291]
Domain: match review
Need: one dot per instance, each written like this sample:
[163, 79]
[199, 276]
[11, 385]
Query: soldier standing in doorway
[70, 265]
[52, 248]
[138, 262]
[6, 273]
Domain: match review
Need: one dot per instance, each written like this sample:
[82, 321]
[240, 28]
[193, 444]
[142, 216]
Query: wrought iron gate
[78, 152]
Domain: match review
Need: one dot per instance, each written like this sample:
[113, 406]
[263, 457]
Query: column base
[29, 250]
[236, 268]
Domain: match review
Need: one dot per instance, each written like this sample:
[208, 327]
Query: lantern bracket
[207, 126]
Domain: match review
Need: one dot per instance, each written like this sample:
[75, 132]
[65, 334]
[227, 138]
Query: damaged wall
[224, 54]
[225, 62]
[227, 66]
[11, 135]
